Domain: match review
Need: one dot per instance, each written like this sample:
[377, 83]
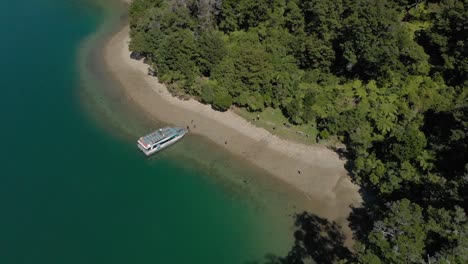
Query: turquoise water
[73, 187]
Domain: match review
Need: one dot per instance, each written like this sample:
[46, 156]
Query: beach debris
[299, 171]
[225, 142]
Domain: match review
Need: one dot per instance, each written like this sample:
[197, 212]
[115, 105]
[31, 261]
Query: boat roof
[157, 135]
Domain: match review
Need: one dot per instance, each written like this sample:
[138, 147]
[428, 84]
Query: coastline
[314, 170]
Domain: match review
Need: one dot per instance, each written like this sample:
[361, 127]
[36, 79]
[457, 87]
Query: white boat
[160, 139]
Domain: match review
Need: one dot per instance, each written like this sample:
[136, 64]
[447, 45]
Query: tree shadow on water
[316, 241]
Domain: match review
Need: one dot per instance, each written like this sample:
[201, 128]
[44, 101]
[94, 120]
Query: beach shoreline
[314, 170]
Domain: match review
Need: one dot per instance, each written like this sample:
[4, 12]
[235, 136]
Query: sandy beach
[312, 169]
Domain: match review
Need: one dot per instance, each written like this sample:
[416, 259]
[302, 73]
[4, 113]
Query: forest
[388, 78]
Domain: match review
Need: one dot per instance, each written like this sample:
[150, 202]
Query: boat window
[166, 140]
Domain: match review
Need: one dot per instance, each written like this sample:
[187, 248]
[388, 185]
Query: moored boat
[160, 139]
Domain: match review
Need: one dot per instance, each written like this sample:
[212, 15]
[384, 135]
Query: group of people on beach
[194, 125]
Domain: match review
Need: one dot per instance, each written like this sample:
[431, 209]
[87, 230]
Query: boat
[160, 139]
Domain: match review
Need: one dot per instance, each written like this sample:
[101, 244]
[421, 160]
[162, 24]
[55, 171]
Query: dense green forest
[386, 77]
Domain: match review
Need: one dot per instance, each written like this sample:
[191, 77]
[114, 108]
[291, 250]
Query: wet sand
[314, 170]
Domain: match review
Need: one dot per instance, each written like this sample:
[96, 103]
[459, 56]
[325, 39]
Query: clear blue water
[74, 190]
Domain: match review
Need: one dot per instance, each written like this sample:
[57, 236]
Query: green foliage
[370, 39]
[222, 100]
[179, 49]
[207, 91]
[293, 18]
[241, 15]
[398, 238]
[211, 50]
[246, 69]
[387, 77]
[323, 18]
[409, 234]
[409, 143]
[446, 41]
[138, 8]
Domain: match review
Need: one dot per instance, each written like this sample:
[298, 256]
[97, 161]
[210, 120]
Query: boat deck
[156, 136]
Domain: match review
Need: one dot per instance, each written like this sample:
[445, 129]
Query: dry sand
[322, 175]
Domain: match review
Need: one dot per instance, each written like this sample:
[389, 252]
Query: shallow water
[73, 186]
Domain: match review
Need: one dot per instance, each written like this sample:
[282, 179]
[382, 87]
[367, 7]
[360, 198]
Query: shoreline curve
[314, 170]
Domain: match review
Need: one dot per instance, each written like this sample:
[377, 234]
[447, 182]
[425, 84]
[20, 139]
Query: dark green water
[73, 187]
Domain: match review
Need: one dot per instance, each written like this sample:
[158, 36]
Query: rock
[151, 72]
[136, 55]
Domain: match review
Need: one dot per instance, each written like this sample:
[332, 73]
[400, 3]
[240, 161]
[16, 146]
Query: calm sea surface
[73, 186]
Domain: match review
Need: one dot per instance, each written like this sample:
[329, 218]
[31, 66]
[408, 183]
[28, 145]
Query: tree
[139, 7]
[211, 50]
[445, 41]
[242, 14]
[398, 238]
[246, 67]
[222, 100]
[373, 43]
[323, 18]
[176, 56]
[207, 91]
[407, 143]
[205, 11]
